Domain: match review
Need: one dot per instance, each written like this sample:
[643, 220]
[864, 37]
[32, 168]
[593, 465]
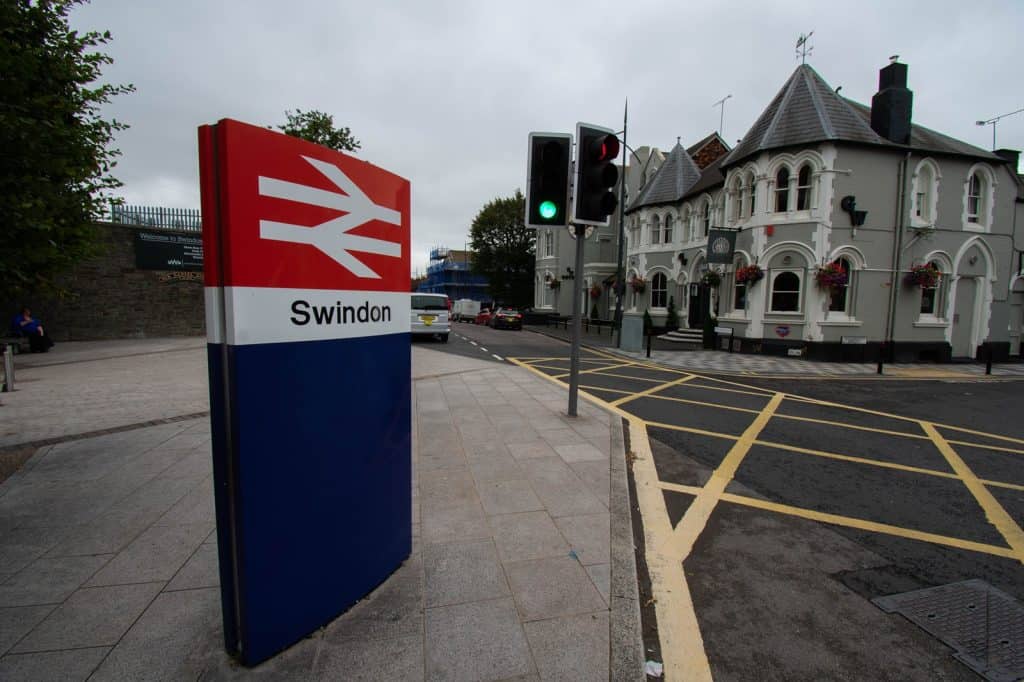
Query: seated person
[25, 325]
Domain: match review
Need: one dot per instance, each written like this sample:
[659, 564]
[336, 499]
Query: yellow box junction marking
[655, 389]
[682, 646]
[848, 521]
[698, 513]
[994, 511]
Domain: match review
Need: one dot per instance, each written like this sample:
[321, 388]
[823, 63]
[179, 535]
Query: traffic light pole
[577, 313]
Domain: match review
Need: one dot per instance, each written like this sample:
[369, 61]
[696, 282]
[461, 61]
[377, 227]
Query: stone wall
[111, 299]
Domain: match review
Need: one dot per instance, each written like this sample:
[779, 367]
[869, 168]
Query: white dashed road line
[483, 349]
[474, 343]
[498, 357]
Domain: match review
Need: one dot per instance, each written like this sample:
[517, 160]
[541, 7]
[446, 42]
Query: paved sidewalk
[522, 564]
[751, 364]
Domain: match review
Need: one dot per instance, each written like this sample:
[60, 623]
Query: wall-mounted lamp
[849, 204]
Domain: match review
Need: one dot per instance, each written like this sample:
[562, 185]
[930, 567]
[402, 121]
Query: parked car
[506, 318]
[430, 316]
[483, 317]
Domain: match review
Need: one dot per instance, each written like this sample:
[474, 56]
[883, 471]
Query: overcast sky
[444, 92]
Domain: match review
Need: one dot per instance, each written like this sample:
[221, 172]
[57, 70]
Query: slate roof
[711, 177]
[808, 110]
[673, 180]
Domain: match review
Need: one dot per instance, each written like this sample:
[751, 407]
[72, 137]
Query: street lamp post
[993, 121]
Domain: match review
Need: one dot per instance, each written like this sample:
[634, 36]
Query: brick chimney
[893, 104]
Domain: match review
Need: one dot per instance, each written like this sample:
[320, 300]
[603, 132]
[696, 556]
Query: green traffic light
[548, 210]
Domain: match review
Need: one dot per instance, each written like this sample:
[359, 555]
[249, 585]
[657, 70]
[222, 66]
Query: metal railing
[158, 217]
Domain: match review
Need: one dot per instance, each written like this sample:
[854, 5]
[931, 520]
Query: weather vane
[802, 48]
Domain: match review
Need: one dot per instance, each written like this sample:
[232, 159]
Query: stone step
[694, 336]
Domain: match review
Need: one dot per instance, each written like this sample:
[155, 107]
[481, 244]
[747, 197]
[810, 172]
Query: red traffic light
[609, 148]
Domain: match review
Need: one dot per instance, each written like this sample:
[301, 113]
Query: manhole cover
[984, 625]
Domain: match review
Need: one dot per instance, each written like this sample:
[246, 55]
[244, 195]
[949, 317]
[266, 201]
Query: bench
[18, 343]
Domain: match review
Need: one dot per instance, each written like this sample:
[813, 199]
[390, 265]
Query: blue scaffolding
[450, 272]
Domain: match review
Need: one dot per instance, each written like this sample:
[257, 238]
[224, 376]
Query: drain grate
[984, 625]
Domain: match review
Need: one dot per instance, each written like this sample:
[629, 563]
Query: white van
[465, 309]
[430, 316]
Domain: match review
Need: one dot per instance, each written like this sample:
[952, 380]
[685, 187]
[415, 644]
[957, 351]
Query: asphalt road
[825, 495]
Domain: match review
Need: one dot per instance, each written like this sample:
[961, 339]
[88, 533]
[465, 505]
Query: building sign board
[168, 251]
[307, 307]
[721, 245]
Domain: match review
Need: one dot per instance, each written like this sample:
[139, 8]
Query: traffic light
[596, 174]
[547, 185]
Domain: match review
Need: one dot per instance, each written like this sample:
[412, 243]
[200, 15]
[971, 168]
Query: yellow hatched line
[753, 392]
[606, 390]
[985, 446]
[682, 646]
[597, 369]
[653, 389]
[699, 511]
[994, 511]
[833, 455]
[850, 522]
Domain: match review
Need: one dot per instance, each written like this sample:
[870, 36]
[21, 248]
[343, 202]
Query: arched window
[659, 290]
[684, 225]
[785, 293]
[549, 243]
[782, 190]
[707, 216]
[925, 194]
[752, 193]
[839, 297]
[666, 235]
[803, 188]
[932, 298]
[737, 199]
[975, 198]
[655, 229]
[739, 295]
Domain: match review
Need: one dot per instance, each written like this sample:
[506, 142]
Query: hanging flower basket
[749, 274]
[639, 284]
[711, 278]
[595, 292]
[926, 276]
[554, 284]
[831, 276]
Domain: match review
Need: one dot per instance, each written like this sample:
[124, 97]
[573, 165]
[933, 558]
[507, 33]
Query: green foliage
[672, 318]
[318, 127]
[504, 250]
[55, 164]
[648, 322]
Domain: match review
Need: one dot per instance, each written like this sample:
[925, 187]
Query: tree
[55, 162]
[504, 250]
[318, 127]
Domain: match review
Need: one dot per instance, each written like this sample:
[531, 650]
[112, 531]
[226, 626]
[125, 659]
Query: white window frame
[655, 229]
[752, 194]
[808, 188]
[664, 291]
[774, 275]
[666, 229]
[986, 199]
[925, 194]
[778, 190]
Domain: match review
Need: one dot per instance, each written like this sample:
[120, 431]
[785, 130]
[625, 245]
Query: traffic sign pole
[577, 314]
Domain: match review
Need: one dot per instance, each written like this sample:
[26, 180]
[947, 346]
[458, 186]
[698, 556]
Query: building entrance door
[700, 305]
[964, 316]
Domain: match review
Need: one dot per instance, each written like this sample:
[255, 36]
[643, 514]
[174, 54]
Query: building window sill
[933, 324]
[840, 323]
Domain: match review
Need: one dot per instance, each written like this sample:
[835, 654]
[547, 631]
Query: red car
[483, 317]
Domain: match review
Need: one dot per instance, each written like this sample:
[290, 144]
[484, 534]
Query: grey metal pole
[577, 293]
[620, 288]
[8, 369]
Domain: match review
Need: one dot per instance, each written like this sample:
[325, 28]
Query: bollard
[648, 345]
[988, 358]
[881, 355]
[8, 369]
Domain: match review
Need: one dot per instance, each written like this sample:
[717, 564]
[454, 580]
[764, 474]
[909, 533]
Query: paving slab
[110, 555]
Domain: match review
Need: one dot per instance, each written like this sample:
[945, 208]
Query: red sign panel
[296, 215]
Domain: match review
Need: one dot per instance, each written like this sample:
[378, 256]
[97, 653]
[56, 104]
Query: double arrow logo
[332, 237]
